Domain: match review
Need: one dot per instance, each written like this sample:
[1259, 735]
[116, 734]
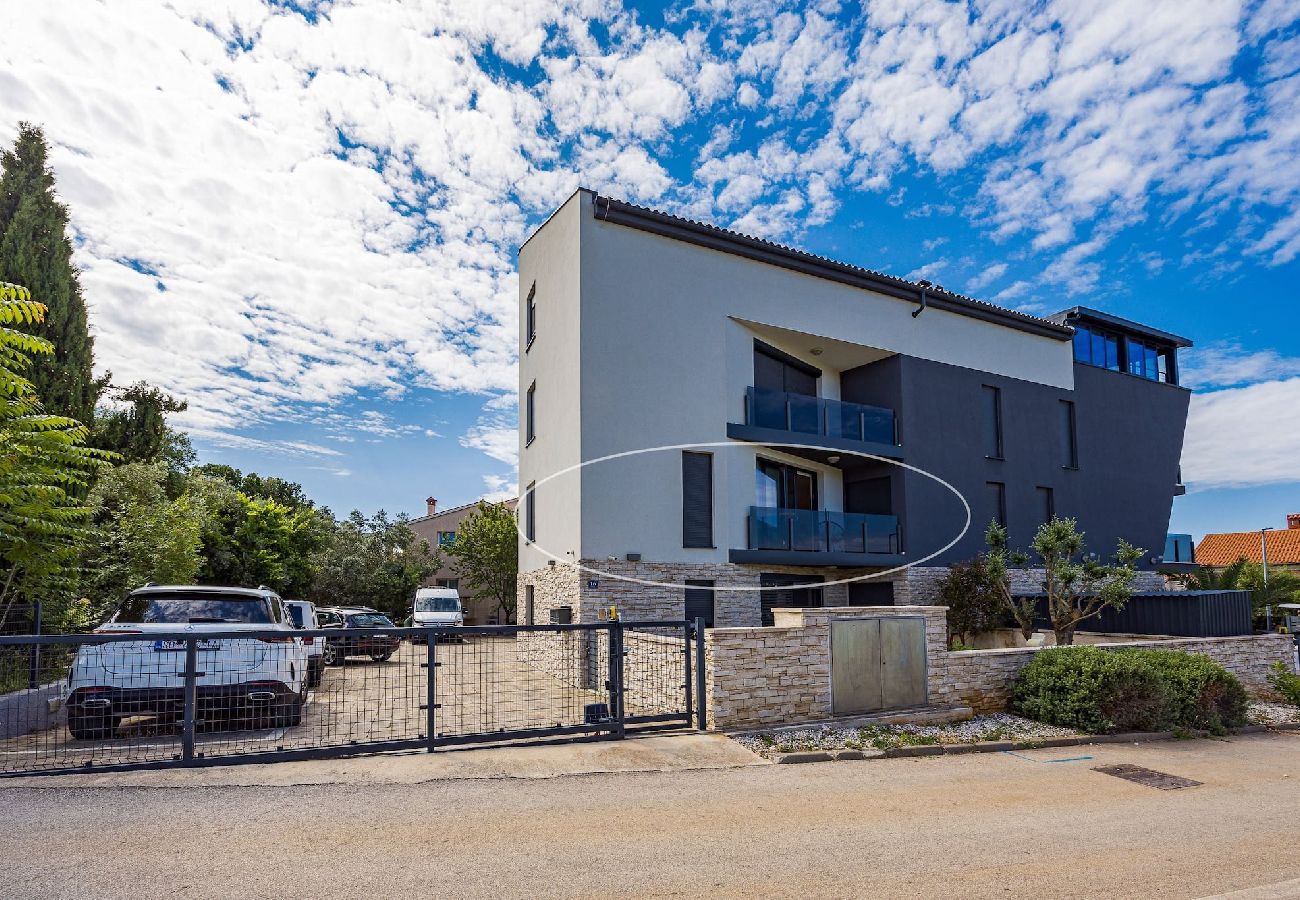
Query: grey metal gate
[173, 699]
[877, 663]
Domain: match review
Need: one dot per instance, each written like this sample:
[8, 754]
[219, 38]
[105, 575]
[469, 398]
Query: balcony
[816, 537]
[777, 417]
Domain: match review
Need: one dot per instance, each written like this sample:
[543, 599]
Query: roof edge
[712, 237]
[1095, 315]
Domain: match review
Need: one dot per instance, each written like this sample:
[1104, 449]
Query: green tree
[136, 427]
[1077, 586]
[268, 487]
[486, 550]
[974, 600]
[998, 562]
[44, 467]
[139, 535]
[253, 540]
[376, 562]
[35, 252]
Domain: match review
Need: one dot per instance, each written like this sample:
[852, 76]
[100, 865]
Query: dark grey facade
[1118, 479]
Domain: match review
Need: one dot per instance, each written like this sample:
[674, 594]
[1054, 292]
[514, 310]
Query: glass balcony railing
[821, 531]
[819, 416]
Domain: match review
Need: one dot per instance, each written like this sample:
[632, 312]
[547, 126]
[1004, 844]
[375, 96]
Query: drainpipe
[921, 308]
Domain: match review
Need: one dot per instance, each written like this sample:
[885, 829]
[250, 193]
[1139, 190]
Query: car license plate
[382, 637]
[165, 646]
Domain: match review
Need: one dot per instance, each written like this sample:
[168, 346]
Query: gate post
[191, 698]
[34, 669]
[688, 630]
[701, 694]
[616, 677]
[431, 682]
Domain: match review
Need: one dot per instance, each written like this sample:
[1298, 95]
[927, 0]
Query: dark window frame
[1000, 493]
[530, 315]
[530, 415]
[690, 539]
[529, 607]
[1070, 426]
[997, 421]
[530, 513]
[1049, 495]
[701, 584]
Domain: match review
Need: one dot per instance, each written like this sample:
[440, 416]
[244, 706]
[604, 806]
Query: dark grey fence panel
[1178, 613]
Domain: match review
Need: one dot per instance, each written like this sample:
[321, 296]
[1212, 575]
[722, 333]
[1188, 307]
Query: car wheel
[333, 655]
[92, 726]
[382, 657]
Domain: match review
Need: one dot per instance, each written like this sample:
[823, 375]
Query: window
[992, 420]
[697, 499]
[530, 513]
[528, 604]
[1046, 503]
[453, 583]
[1096, 348]
[1069, 437]
[530, 317]
[530, 414]
[784, 487]
[446, 538]
[1153, 363]
[699, 601]
[998, 502]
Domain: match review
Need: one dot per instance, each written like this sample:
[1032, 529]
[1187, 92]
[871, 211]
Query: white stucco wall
[664, 360]
[551, 261]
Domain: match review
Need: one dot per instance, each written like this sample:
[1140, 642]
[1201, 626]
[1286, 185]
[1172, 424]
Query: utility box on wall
[877, 663]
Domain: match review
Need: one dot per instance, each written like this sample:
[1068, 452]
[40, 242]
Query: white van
[438, 606]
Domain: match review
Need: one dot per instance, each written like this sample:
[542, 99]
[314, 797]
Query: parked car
[374, 642]
[438, 606]
[303, 614]
[261, 681]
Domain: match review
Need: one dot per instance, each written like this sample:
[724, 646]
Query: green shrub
[1204, 694]
[1101, 691]
[1093, 691]
[1285, 682]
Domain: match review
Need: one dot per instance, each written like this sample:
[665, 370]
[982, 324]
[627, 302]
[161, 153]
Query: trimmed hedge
[1102, 691]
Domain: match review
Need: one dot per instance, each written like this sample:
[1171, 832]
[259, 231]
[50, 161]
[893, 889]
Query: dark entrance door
[788, 596]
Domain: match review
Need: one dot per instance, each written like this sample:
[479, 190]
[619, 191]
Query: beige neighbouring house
[439, 528]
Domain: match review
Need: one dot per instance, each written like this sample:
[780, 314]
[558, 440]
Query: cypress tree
[35, 252]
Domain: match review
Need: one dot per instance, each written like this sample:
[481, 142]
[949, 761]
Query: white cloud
[1230, 365]
[1243, 436]
[983, 279]
[495, 436]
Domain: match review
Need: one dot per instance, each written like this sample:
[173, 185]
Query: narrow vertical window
[697, 499]
[699, 601]
[530, 414]
[1069, 437]
[528, 605]
[530, 316]
[1046, 503]
[992, 416]
[530, 513]
[998, 502]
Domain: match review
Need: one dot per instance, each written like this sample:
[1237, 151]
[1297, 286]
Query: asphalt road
[990, 825]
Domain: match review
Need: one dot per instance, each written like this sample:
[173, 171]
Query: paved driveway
[987, 825]
[484, 685]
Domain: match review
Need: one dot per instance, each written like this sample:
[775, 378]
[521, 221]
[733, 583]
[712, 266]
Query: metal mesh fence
[130, 700]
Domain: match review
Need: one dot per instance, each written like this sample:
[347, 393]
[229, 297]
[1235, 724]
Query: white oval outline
[737, 445]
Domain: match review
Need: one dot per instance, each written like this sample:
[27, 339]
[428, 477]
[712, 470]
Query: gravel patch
[1273, 714]
[996, 727]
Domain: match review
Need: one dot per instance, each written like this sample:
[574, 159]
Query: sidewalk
[671, 752]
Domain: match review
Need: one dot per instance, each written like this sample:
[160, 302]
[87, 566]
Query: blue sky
[302, 217]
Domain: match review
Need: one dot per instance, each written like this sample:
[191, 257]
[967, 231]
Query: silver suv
[255, 682]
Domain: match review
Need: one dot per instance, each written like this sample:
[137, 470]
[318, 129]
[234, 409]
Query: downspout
[920, 309]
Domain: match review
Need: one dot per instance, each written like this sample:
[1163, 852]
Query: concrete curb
[1132, 737]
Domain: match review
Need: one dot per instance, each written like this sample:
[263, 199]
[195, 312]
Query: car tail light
[309, 641]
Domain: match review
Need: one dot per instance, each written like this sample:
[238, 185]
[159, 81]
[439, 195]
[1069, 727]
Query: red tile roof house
[439, 529]
[1219, 550]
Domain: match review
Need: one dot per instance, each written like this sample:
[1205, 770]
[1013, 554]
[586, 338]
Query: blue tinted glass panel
[1082, 344]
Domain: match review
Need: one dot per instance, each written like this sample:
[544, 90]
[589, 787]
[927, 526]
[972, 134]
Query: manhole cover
[1149, 777]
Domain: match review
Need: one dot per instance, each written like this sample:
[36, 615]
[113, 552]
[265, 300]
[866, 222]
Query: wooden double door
[877, 663]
